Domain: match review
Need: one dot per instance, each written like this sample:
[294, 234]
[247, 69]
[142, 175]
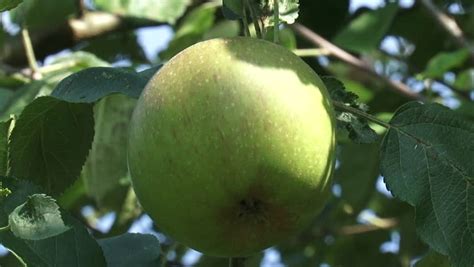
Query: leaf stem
[4, 229]
[276, 22]
[360, 113]
[245, 20]
[30, 53]
[256, 24]
[23, 263]
[236, 262]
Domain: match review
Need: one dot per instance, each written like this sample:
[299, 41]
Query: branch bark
[353, 61]
[380, 224]
[73, 31]
[449, 25]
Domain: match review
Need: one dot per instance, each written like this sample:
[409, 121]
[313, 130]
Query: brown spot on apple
[255, 219]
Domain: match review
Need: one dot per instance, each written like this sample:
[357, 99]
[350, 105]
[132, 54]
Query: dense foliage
[400, 75]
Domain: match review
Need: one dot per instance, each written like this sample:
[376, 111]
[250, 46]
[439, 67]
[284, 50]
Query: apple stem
[256, 23]
[276, 22]
[245, 20]
[236, 262]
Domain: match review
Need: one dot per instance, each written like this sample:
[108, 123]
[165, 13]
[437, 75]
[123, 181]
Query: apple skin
[231, 146]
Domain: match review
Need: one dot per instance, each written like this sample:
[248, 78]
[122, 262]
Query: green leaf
[4, 133]
[38, 218]
[44, 13]
[427, 161]
[90, 85]
[117, 46]
[286, 38]
[59, 68]
[191, 30]
[163, 10]
[106, 165]
[358, 129]
[9, 4]
[5, 95]
[11, 81]
[75, 247]
[433, 259]
[131, 250]
[77, 61]
[288, 11]
[20, 98]
[350, 246]
[50, 142]
[357, 172]
[232, 9]
[365, 32]
[465, 80]
[444, 62]
[223, 29]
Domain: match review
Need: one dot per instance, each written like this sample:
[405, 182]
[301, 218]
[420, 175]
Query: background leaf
[131, 250]
[445, 61]
[365, 32]
[232, 9]
[106, 166]
[465, 80]
[357, 172]
[43, 14]
[163, 10]
[191, 30]
[9, 4]
[60, 68]
[433, 259]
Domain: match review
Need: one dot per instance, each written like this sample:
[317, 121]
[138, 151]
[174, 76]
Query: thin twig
[22, 262]
[30, 53]
[256, 24]
[245, 20]
[6, 228]
[381, 224]
[311, 52]
[449, 25]
[353, 61]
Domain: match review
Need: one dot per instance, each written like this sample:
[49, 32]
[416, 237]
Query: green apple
[231, 146]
